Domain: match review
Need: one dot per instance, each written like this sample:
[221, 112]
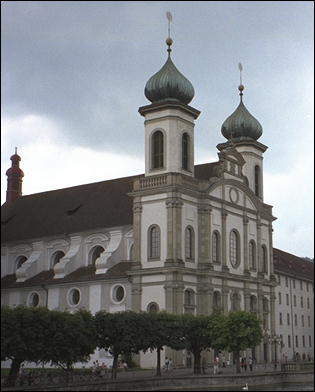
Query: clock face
[234, 195]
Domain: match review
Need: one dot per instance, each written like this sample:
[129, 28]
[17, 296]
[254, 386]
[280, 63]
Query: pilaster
[224, 215]
[204, 237]
[245, 231]
[174, 231]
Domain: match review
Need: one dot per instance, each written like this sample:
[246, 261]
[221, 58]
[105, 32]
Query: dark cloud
[85, 64]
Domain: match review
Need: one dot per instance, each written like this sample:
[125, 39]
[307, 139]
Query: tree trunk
[237, 355]
[114, 368]
[197, 355]
[14, 371]
[158, 366]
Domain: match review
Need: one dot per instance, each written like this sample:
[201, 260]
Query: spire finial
[240, 87]
[15, 150]
[169, 40]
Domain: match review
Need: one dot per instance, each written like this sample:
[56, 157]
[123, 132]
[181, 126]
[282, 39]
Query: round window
[74, 297]
[118, 293]
[34, 299]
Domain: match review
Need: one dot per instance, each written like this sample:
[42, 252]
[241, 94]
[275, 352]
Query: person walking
[215, 366]
[250, 362]
[203, 365]
[167, 362]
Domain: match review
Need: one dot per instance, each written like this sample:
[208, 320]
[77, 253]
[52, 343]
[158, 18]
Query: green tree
[122, 333]
[24, 334]
[163, 330]
[72, 338]
[240, 331]
[196, 338]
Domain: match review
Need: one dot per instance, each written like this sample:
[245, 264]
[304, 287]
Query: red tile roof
[82, 274]
[75, 209]
[289, 264]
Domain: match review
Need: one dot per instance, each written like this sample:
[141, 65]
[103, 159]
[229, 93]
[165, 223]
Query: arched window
[157, 150]
[265, 305]
[215, 247]
[153, 307]
[253, 303]
[19, 261]
[235, 302]
[234, 249]
[189, 297]
[189, 301]
[189, 243]
[217, 306]
[95, 254]
[252, 254]
[264, 259]
[56, 258]
[154, 242]
[257, 180]
[185, 151]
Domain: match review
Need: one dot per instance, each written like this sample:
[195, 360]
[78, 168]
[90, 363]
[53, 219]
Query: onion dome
[241, 125]
[168, 83]
[15, 175]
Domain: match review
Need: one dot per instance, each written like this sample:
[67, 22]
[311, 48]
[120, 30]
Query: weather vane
[240, 87]
[169, 40]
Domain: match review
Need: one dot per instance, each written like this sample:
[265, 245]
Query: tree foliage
[121, 333]
[196, 338]
[241, 330]
[164, 329]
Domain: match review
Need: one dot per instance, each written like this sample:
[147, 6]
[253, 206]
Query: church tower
[242, 130]
[15, 175]
[169, 121]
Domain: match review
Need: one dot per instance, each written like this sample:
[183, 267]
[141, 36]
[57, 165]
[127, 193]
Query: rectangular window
[309, 321]
[308, 303]
[307, 288]
[301, 302]
[293, 281]
[294, 300]
[286, 281]
[302, 320]
[296, 341]
[289, 341]
[303, 340]
[301, 284]
[295, 320]
[280, 318]
[287, 297]
[310, 341]
[279, 298]
[288, 319]
[281, 337]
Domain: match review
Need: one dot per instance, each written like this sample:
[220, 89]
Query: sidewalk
[188, 372]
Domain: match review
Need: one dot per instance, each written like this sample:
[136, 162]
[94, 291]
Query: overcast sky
[73, 75]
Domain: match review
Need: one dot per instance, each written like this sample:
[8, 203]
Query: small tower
[242, 130]
[15, 175]
[169, 121]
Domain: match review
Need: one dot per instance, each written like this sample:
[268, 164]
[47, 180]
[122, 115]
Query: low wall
[176, 382]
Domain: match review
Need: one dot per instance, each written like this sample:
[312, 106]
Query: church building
[181, 237]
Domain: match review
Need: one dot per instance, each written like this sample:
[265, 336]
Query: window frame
[154, 252]
[157, 150]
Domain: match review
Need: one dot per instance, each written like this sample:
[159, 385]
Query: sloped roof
[289, 264]
[82, 274]
[70, 210]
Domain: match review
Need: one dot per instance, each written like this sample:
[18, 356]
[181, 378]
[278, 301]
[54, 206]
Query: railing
[297, 366]
[153, 182]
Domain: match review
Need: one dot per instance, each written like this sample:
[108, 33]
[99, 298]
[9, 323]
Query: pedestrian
[245, 364]
[170, 364]
[223, 361]
[242, 363]
[203, 365]
[167, 362]
[215, 366]
[125, 366]
[250, 362]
